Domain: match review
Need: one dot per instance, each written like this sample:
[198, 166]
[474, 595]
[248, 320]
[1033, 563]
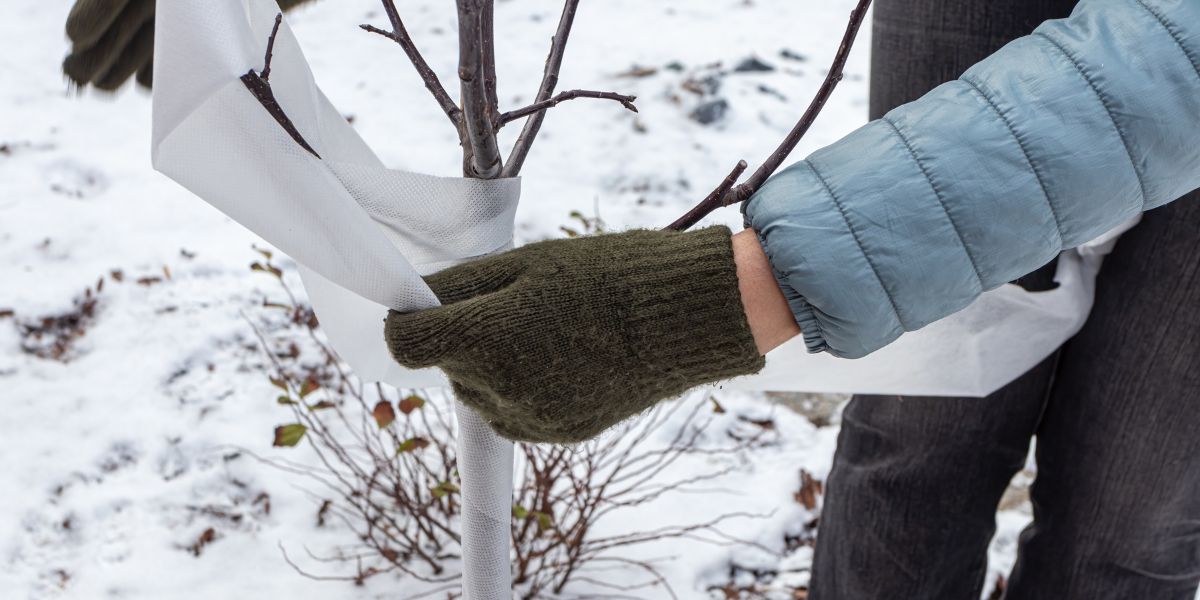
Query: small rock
[675, 66]
[791, 55]
[770, 91]
[706, 86]
[753, 65]
[710, 112]
[636, 72]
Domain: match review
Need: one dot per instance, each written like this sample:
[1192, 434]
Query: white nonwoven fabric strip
[361, 234]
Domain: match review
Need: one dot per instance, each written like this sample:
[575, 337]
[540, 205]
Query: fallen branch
[537, 107]
[726, 194]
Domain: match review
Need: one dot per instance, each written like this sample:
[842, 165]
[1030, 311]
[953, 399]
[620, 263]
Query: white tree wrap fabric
[362, 235]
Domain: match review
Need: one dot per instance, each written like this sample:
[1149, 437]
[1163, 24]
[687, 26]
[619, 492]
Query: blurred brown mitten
[111, 40]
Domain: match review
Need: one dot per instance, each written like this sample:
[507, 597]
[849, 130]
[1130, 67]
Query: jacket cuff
[821, 264]
[805, 314]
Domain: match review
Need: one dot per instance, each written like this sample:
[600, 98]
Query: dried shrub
[563, 493]
[386, 459]
[386, 470]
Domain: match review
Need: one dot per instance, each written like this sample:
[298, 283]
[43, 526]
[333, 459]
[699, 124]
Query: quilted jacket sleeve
[1052, 141]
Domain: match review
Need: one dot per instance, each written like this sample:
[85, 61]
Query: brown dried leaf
[266, 268]
[309, 386]
[810, 490]
[998, 591]
[207, 537]
[384, 414]
[412, 444]
[764, 424]
[411, 403]
[263, 499]
[637, 72]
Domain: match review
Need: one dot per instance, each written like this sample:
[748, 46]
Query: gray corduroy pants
[912, 496]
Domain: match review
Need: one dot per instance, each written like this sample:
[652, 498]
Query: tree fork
[481, 153]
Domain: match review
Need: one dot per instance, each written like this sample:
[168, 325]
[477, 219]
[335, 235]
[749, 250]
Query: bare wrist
[771, 320]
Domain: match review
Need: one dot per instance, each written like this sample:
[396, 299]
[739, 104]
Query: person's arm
[1045, 145]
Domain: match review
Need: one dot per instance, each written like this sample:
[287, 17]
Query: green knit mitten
[111, 40]
[559, 340]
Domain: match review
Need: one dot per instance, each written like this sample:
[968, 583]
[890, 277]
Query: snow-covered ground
[126, 444]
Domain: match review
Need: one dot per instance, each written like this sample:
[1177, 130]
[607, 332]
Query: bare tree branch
[399, 34]
[513, 115]
[743, 191]
[558, 47]
[488, 38]
[481, 155]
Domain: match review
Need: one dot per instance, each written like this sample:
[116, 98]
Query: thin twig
[481, 155]
[266, 72]
[399, 34]
[513, 115]
[745, 190]
[558, 47]
[711, 202]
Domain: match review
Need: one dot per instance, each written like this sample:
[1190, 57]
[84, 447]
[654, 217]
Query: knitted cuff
[687, 309]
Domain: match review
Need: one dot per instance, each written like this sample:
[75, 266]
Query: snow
[118, 459]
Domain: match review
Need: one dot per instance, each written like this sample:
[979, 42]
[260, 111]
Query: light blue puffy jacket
[1050, 142]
